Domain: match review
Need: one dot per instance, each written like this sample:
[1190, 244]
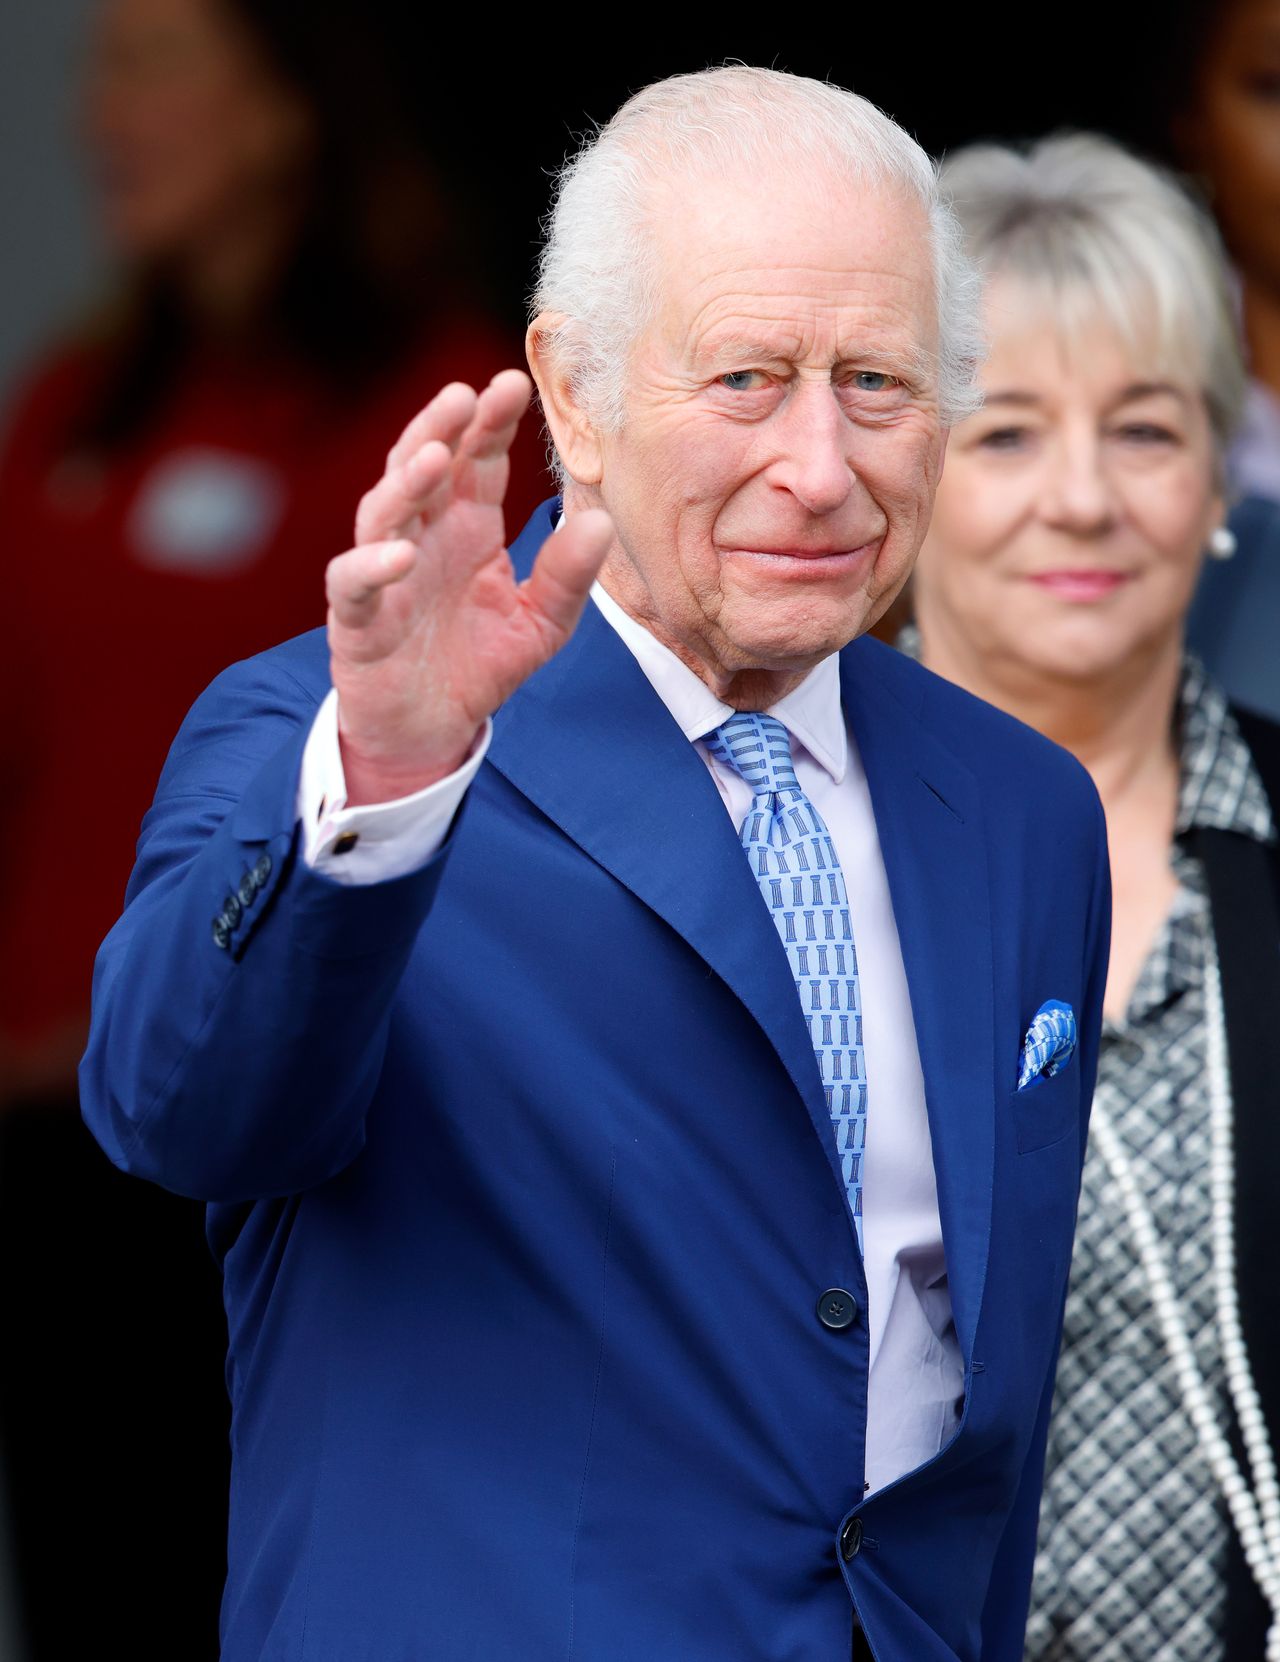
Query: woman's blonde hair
[1098, 232]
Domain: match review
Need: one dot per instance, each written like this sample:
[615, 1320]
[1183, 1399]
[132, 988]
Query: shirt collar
[811, 712]
[1220, 786]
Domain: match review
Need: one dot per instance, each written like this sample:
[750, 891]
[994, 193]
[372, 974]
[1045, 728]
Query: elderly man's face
[774, 475]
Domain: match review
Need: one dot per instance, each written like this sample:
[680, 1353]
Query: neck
[1118, 725]
[1260, 306]
[753, 688]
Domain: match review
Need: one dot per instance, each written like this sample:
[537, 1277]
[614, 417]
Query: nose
[1077, 494]
[812, 436]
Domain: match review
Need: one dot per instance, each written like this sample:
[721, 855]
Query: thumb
[556, 590]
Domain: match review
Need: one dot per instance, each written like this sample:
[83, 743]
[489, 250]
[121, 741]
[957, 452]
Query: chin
[1077, 663]
[795, 651]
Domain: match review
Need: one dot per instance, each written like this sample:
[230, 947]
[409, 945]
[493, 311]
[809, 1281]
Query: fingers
[481, 468]
[556, 590]
[432, 422]
[498, 413]
[355, 582]
[456, 423]
[387, 511]
[426, 424]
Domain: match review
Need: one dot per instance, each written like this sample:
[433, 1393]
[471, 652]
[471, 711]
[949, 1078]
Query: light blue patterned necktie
[796, 866]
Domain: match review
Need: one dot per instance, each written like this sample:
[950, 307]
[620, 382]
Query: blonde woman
[1074, 514]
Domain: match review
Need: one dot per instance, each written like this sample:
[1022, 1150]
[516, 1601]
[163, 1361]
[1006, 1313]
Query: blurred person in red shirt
[173, 480]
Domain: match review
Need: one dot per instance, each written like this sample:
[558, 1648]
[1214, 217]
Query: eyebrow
[1152, 389]
[740, 349]
[1022, 399]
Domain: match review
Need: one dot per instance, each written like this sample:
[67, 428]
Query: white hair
[1093, 232]
[596, 272]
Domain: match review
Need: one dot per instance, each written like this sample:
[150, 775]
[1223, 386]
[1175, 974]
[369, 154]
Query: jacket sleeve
[241, 1003]
[1004, 1618]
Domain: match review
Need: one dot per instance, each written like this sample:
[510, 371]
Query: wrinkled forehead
[792, 243]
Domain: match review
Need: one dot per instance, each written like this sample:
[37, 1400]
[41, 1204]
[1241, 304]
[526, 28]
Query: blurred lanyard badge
[205, 512]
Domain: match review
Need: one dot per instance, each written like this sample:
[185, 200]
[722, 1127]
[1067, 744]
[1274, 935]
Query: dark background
[950, 76]
[501, 112]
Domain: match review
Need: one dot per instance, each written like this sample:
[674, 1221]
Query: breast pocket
[1047, 1110]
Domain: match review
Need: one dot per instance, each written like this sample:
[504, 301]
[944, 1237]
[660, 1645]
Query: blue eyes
[865, 380]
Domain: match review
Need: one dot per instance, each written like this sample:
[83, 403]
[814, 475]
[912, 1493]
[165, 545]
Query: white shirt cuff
[376, 841]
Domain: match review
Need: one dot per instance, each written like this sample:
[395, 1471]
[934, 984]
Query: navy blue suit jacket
[524, 1189]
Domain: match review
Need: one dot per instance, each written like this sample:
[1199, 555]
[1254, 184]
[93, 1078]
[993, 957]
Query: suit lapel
[929, 821]
[589, 742]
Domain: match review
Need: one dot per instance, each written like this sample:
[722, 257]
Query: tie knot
[758, 749]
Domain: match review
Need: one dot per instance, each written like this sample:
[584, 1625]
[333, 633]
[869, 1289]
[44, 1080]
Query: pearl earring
[1222, 543]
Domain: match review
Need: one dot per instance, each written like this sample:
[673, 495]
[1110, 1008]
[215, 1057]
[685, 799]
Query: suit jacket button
[247, 889]
[837, 1309]
[232, 911]
[221, 934]
[261, 869]
[851, 1539]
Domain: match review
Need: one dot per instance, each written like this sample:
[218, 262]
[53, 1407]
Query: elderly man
[630, 1065]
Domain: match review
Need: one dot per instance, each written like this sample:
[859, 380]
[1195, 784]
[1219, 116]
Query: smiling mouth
[811, 562]
[1080, 586]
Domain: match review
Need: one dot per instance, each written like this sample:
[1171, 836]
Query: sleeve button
[221, 934]
[261, 869]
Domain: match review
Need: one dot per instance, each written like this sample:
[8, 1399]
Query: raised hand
[428, 630]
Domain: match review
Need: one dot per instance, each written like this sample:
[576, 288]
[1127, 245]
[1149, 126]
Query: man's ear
[571, 429]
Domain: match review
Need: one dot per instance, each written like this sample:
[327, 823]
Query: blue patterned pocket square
[1050, 1040]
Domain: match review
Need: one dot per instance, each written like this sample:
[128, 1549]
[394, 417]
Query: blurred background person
[173, 479]
[1226, 131]
[178, 472]
[1073, 516]
[1217, 116]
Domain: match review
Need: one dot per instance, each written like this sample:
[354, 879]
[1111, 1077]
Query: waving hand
[428, 629]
